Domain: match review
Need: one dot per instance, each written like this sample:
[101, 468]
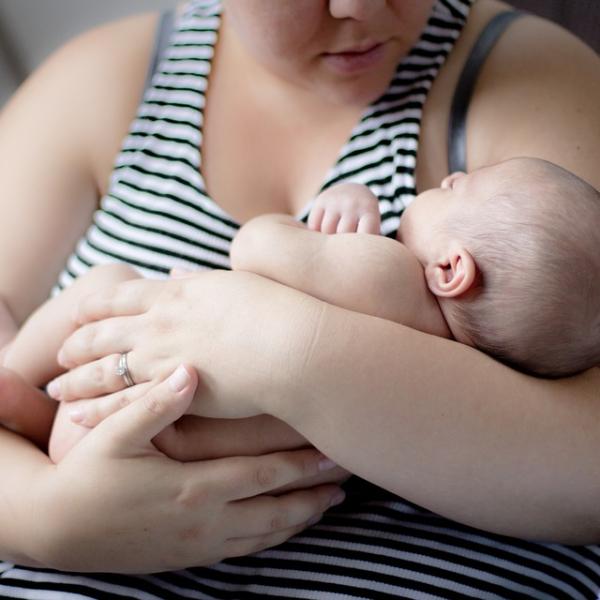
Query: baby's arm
[364, 273]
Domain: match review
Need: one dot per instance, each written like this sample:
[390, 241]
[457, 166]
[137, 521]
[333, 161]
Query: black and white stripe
[157, 215]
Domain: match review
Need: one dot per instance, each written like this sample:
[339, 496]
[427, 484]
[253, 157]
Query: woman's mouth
[353, 61]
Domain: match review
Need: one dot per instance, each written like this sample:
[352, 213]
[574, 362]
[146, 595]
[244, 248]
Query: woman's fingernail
[76, 415]
[53, 389]
[326, 463]
[314, 520]
[179, 379]
[337, 498]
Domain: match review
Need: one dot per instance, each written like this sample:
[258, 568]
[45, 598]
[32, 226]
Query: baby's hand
[346, 208]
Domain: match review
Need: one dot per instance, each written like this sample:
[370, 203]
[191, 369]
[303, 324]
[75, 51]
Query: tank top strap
[161, 43]
[457, 130]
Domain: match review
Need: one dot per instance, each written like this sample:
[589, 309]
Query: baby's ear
[453, 275]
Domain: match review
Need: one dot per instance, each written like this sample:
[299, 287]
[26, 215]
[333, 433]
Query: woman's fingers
[96, 340]
[90, 412]
[129, 298]
[135, 426]
[97, 378]
[247, 476]
[265, 515]
[245, 546]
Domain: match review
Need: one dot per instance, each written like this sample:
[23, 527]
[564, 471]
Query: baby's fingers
[348, 223]
[330, 221]
[315, 218]
[91, 412]
[369, 223]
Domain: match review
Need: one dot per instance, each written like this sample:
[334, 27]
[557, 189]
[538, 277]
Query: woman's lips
[350, 62]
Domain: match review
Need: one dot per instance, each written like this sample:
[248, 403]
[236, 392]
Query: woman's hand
[243, 333]
[117, 504]
[194, 438]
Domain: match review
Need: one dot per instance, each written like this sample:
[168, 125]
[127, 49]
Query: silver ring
[123, 370]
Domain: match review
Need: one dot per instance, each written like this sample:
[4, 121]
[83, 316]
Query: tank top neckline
[212, 10]
[156, 214]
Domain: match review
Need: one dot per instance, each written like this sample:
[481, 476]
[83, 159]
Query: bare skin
[540, 404]
[504, 101]
[74, 174]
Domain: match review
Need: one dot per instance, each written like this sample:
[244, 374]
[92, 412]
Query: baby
[495, 259]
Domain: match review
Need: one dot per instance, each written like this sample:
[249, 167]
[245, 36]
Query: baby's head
[512, 252]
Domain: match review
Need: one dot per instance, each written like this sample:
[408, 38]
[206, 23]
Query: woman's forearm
[430, 419]
[450, 429]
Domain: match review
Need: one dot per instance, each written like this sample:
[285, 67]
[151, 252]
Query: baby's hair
[536, 302]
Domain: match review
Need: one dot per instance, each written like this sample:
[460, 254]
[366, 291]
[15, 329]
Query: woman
[289, 80]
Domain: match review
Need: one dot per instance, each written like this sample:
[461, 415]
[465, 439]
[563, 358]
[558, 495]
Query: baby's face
[422, 224]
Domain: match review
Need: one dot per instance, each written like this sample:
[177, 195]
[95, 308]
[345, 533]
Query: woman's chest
[253, 162]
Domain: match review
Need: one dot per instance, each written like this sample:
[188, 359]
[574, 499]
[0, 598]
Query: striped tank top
[158, 215]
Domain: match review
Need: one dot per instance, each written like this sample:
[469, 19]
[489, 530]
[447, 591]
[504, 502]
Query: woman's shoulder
[541, 84]
[111, 61]
[92, 85]
[537, 95]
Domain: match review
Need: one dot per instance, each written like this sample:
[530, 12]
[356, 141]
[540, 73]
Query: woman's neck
[284, 100]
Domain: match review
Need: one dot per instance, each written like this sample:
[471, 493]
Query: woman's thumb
[135, 425]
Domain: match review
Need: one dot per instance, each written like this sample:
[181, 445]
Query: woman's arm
[458, 432]
[435, 421]
[48, 192]
[55, 154]
[77, 515]
[470, 438]
[451, 429]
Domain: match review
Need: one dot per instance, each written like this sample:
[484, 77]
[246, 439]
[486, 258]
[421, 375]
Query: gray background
[31, 29]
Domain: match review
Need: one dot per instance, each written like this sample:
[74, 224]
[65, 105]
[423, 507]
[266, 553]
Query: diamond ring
[123, 370]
